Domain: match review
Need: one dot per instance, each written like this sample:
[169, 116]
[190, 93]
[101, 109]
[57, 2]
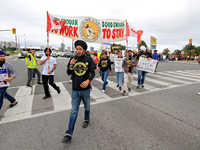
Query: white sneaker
[70, 81]
[198, 93]
[103, 91]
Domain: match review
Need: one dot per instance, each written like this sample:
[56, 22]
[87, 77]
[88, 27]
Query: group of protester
[81, 67]
[49, 66]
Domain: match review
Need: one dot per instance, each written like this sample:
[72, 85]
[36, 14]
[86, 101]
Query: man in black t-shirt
[81, 68]
[142, 74]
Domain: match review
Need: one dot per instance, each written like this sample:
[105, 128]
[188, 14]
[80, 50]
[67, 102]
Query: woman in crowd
[105, 66]
[119, 71]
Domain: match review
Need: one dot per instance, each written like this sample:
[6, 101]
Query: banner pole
[126, 38]
[48, 47]
[126, 45]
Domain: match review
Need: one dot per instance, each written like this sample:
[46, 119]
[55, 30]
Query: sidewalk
[11, 57]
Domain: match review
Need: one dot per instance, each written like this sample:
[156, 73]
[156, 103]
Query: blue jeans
[119, 76]
[135, 69]
[167, 60]
[141, 77]
[76, 99]
[3, 94]
[104, 75]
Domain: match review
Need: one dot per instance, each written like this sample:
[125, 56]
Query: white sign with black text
[147, 65]
[118, 65]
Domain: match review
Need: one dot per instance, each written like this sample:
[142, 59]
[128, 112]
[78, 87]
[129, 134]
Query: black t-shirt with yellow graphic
[145, 55]
[105, 64]
[83, 70]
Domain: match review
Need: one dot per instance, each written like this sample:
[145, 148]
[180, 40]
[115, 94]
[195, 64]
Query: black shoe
[120, 88]
[117, 85]
[137, 87]
[124, 93]
[66, 139]
[28, 85]
[39, 83]
[58, 90]
[129, 89]
[85, 124]
[46, 97]
[142, 86]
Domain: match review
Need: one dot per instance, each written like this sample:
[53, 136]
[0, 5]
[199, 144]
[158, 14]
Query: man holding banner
[141, 74]
[128, 65]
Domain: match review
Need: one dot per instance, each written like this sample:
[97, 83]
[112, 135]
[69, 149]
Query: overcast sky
[172, 22]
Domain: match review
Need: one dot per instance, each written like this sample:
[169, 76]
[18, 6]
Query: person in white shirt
[49, 65]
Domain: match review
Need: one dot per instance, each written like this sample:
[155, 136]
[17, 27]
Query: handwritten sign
[118, 65]
[112, 57]
[147, 65]
[3, 76]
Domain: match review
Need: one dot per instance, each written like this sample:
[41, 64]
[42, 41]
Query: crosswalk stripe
[187, 75]
[158, 81]
[24, 96]
[189, 72]
[61, 101]
[175, 76]
[167, 78]
[98, 95]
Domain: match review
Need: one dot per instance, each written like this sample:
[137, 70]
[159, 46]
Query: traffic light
[190, 41]
[13, 30]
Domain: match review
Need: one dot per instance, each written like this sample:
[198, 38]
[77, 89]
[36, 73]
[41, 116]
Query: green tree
[166, 51]
[187, 49]
[143, 43]
[177, 52]
[197, 50]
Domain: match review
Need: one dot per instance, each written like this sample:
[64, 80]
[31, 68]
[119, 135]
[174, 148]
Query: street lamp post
[19, 40]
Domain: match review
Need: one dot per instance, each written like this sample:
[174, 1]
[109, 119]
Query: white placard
[147, 65]
[3, 76]
[118, 65]
[112, 57]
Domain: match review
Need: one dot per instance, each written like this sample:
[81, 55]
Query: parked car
[68, 54]
[7, 53]
[54, 54]
[61, 54]
[20, 55]
[39, 54]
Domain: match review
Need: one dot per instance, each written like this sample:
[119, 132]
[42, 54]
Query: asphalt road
[160, 119]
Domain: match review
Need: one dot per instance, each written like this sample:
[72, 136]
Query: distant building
[68, 48]
[91, 48]
[9, 44]
[62, 47]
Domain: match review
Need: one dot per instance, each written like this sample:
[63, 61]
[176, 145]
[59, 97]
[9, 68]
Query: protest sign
[147, 65]
[89, 29]
[118, 65]
[3, 76]
[112, 57]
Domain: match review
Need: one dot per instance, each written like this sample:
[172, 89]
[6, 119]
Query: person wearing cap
[49, 66]
[26, 57]
[142, 74]
[128, 65]
[81, 68]
[11, 72]
[156, 57]
[105, 66]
